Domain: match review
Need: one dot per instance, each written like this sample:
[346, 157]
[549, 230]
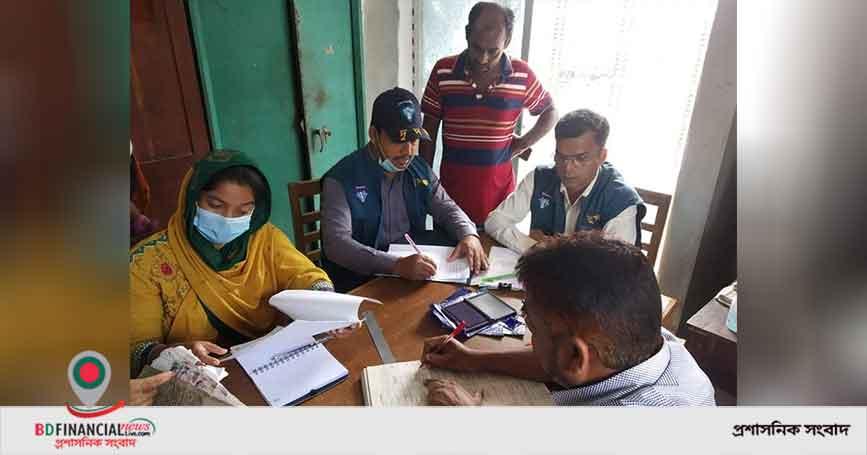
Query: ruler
[378, 338]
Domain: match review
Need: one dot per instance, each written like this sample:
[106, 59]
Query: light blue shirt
[671, 377]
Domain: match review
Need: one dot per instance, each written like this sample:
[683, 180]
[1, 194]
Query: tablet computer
[478, 311]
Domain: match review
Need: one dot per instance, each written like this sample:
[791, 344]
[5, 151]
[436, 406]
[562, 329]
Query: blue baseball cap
[397, 112]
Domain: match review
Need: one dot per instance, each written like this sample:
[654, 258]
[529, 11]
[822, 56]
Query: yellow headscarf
[237, 296]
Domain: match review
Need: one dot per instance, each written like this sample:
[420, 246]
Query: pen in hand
[414, 246]
[448, 339]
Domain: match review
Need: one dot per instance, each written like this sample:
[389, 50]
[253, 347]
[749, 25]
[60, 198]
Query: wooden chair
[662, 203]
[307, 241]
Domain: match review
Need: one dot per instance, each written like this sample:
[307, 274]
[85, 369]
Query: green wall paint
[247, 64]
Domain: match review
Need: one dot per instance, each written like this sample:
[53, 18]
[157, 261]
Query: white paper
[456, 271]
[501, 261]
[294, 335]
[318, 305]
[239, 347]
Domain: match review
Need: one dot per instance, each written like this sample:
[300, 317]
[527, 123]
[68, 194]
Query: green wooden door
[329, 46]
[270, 68]
[247, 64]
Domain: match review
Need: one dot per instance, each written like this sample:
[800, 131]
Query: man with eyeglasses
[580, 192]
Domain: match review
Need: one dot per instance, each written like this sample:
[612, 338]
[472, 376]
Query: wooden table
[714, 346]
[405, 320]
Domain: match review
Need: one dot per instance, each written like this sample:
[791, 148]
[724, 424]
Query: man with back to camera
[594, 311]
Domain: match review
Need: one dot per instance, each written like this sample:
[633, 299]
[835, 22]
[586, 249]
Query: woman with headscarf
[208, 276]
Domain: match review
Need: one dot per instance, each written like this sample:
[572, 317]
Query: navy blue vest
[610, 196]
[361, 178]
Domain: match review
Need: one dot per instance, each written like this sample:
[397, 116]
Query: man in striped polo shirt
[479, 95]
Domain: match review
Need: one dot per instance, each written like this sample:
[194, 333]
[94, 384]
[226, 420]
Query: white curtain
[637, 62]
[440, 32]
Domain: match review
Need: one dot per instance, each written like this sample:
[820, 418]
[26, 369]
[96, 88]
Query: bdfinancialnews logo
[138, 427]
[96, 434]
[89, 374]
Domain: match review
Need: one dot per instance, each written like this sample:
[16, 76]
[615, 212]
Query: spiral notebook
[289, 378]
[287, 365]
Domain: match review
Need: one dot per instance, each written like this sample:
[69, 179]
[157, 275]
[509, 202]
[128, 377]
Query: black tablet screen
[491, 306]
[463, 311]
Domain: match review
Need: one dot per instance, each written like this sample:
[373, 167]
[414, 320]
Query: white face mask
[219, 229]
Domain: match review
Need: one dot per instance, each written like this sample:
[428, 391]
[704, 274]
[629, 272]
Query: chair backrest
[662, 202]
[305, 223]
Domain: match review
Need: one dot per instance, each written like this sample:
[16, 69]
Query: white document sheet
[294, 335]
[318, 305]
[501, 261]
[239, 347]
[452, 272]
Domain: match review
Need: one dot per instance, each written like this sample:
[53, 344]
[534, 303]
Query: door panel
[330, 77]
[168, 128]
[247, 64]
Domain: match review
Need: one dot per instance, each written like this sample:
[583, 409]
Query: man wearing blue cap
[377, 194]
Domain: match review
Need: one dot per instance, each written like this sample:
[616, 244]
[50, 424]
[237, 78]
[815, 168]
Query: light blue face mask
[389, 166]
[386, 164]
[219, 229]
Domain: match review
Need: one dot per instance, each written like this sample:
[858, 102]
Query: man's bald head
[491, 18]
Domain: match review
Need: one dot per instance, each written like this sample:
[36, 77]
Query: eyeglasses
[580, 159]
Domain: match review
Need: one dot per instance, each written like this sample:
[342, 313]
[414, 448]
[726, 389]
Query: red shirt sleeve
[430, 100]
[536, 98]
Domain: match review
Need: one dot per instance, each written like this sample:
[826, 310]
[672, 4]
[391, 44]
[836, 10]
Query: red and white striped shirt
[477, 128]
